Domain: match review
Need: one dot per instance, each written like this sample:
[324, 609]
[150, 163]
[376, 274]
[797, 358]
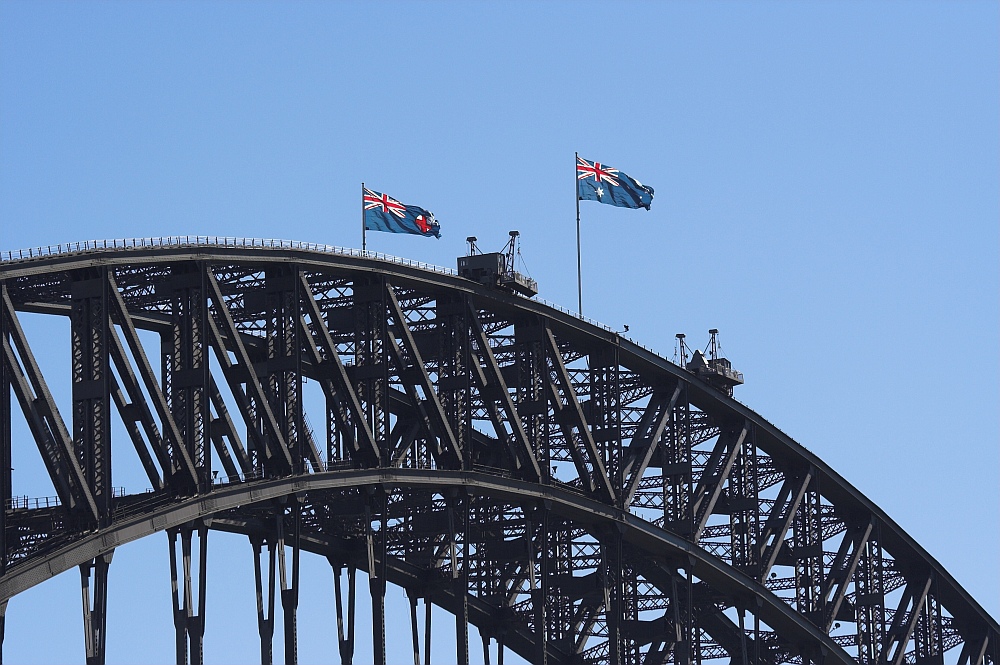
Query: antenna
[713, 344]
[683, 350]
[472, 245]
[511, 249]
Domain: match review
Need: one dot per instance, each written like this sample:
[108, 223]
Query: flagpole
[364, 236]
[576, 195]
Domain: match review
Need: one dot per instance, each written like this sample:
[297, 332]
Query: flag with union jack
[599, 182]
[384, 213]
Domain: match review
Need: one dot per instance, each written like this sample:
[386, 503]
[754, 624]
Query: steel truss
[571, 495]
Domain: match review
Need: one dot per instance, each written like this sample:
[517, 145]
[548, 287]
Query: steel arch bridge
[574, 496]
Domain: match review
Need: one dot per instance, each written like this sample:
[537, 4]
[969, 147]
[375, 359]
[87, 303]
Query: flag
[599, 182]
[384, 213]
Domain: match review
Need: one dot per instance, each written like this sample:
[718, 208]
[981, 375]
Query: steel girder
[451, 414]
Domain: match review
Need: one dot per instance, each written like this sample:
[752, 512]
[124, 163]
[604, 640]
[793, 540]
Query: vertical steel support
[688, 650]
[345, 638]
[807, 541]
[870, 585]
[283, 371]
[290, 590]
[411, 597]
[540, 582]
[612, 564]
[189, 622]
[185, 374]
[265, 616]
[927, 636]
[6, 487]
[458, 525]
[427, 630]
[744, 506]
[454, 384]
[95, 607]
[605, 415]
[91, 375]
[3, 626]
[675, 451]
[377, 555]
[371, 370]
[531, 399]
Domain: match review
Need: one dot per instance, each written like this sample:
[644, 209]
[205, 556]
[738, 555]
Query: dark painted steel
[682, 510]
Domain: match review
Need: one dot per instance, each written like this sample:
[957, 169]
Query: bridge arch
[545, 479]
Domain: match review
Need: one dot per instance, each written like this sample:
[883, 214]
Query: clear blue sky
[826, 183]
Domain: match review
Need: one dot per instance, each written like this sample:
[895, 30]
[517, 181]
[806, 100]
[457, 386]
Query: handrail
[122, 244]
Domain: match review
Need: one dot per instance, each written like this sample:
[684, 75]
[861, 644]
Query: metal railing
[35, 502]
[124, 244]
[87, 246]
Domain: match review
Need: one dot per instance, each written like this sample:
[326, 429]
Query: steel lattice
[575, 497]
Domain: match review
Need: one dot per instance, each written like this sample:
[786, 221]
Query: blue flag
[384, 213]
[598, 182]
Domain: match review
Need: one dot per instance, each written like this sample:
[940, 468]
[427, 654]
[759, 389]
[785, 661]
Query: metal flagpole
[364, 237]
[576, 194]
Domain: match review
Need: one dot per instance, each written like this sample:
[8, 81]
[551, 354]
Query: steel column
[345, 637]
[95, 607]
[290, 590]
[265, 615]
[189, 622]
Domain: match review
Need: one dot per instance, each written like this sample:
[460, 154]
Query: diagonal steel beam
[668, 579]
[443, 454]
[497, 391]
[651, 425]
[974, 651]
[235, 376]
[843, 569]
[431, 405]
[710, 485]
[134, 411]
[180, 459]
[903, 622]
[222, 426]
[46, 425]
[772, 537]
[571, 413]
[273, 444]
[336, 384]
[403, 435]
